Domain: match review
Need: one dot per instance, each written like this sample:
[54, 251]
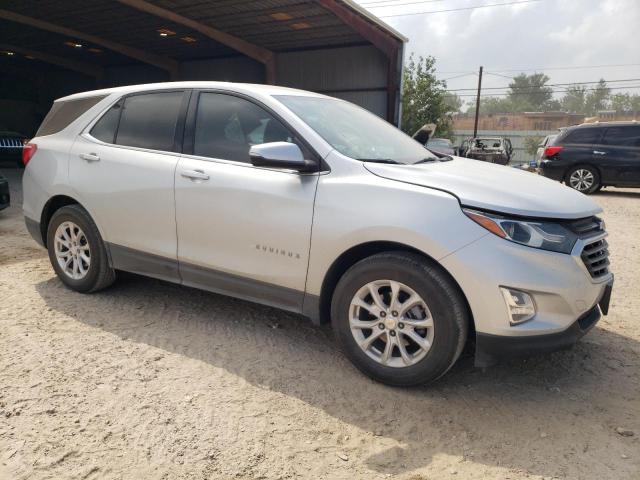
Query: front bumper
[5, 197]
[562, 289]
[490, 349]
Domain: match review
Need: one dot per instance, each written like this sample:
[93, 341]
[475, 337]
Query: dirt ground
[149, 380]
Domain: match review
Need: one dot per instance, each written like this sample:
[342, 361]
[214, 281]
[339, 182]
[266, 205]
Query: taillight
[27, 152]
[551, 151]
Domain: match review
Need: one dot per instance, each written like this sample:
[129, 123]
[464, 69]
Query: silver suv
[316, 206]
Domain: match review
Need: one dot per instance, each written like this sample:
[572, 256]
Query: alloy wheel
[391, 323]
[72, 250]
[582, 180]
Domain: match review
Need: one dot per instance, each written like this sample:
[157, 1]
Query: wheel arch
[571, 168]
[50, 207]
[359, 252]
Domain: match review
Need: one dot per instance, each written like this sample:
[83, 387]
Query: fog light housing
[520, 305]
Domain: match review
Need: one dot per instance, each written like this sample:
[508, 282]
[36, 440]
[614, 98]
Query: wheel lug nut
[401, 325]
[383, 314]
[381, 326]
[392, 333]
[394, 313]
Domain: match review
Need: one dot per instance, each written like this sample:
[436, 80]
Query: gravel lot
[153, 380]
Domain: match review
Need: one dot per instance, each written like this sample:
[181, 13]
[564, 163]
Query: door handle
[598, 152]
[90, 157]
[194, 174]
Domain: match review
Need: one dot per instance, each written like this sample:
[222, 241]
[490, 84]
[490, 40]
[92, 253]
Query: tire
[584, 179]
[445, 306]
[97, 273]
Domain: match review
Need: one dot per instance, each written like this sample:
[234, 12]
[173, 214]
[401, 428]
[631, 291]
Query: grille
[587, 227]
[595, 256]
[8, 142]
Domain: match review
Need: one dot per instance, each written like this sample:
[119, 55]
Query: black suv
[591, 156]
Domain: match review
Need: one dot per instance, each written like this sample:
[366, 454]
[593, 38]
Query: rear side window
[583, 135]
[149, 120]
[63, 113]
[105, 128]
[622, 136]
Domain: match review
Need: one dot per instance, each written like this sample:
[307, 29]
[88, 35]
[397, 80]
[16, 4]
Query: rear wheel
[584, 179]
[399, 319]
[76, 250]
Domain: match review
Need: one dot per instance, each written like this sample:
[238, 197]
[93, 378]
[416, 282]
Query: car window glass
[62, 113]
[149, 120]
[105, 128]
[622, 136]
[584, 135]
[227, 126]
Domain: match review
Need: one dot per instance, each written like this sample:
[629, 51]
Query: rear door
[123, 169]
[620, 150]
[579, 145]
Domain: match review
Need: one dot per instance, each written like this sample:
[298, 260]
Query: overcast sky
[546, 33]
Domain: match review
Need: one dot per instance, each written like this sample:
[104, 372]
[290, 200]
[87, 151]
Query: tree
[531, 144]
[574, 101]
[424, 98]
[529, 93]
[598, 98]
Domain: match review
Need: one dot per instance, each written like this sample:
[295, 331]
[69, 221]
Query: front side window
[355, 132]
[622, 136]
[587, 136]
[149, 120]
[227, 126]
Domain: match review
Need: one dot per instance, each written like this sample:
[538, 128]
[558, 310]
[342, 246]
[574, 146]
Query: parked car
[542, 145]
[442, 146]
[591, 156]
[11, 146]
[5, 197]
[217, 186]
[489, 149]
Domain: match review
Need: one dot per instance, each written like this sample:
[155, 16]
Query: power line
[459, 76]
[459, 9]
[548, 85]
[530, 93]
[543, 69]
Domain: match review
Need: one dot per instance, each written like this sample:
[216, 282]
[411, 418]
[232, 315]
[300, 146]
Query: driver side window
[227, 126]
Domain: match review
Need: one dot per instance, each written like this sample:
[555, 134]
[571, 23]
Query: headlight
[532, 233]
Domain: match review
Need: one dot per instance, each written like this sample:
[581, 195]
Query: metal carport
[50, 48]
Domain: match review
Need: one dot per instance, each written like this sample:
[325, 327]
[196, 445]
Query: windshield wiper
[379, 160]
[427, 160]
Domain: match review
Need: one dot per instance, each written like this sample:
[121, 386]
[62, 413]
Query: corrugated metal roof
[278, 25]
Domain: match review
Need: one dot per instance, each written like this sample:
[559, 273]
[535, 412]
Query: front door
[619, 154]
[242, 230]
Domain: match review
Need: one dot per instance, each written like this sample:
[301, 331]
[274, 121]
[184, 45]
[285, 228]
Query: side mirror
[283, 155]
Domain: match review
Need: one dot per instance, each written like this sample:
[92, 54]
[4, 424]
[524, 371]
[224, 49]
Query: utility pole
[475, 124]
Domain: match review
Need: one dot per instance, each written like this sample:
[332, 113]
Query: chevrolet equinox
[314, 205]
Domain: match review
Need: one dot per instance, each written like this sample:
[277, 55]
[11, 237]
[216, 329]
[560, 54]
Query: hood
[494, 187]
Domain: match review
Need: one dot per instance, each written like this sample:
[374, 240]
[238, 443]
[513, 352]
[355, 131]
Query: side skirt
[135, 261]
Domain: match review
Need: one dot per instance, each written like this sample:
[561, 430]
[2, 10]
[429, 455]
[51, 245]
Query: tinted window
[149, 120]
[584, 135]
[622, 136]
[227, 126]
[63, 113]
[105, 128]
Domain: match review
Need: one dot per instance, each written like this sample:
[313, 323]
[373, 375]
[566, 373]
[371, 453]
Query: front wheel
[584, 179]
[399, 319]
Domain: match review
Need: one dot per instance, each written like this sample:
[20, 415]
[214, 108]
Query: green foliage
[425, 100]
[531, 144]
[529, 93]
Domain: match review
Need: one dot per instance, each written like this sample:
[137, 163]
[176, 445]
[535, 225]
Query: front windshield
[355, 132]
[439, 142]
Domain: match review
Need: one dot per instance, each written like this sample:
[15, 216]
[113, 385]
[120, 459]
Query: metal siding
[231, 69]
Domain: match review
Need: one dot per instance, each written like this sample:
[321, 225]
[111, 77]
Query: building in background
[52, 48]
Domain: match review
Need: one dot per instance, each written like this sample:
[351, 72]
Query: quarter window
[227, 126]
[584, 136]
[105, 128]
[622, 136]
[149, 120]
[63, 113]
